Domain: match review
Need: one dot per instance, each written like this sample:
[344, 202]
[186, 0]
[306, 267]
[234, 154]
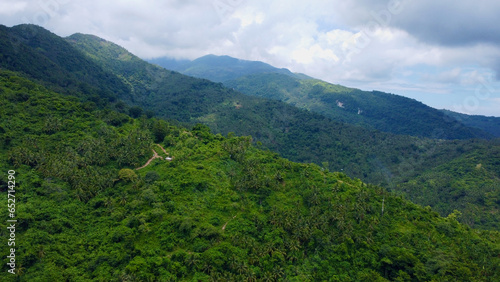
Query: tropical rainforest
[128, 172]
[370, 109]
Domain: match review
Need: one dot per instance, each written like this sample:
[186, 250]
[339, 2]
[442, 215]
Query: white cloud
[359, 43]
[11, 7]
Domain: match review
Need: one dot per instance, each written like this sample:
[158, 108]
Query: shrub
[127, 174]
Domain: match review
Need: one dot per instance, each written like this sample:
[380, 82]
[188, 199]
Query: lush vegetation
[374, 110]
[220, 210]
[395, 162]
[469, 183]
[220, 68]
[50, 60]
[488, 124]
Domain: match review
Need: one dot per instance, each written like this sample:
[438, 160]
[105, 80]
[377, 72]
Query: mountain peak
[222, 68]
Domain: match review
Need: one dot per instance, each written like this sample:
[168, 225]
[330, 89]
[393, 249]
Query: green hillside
[296, 134]
[469, 183]
[220, 68]
[50, 60]
[299, 135]
[166, 93]
[220, 209]
[487, 124]
[373, 110]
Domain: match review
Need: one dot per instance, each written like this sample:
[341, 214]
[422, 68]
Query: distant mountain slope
[169, 63]
[373, 110]
[168, 93]
[488, 124]
[469, 183]
[221, 68]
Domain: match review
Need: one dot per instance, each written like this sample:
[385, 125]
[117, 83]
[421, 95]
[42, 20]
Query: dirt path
[155, 156]
[224, 227]
[162, 149]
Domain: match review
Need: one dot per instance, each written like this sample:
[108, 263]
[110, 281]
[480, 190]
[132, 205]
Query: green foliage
[135, 111]
[88, 65]
[469, 184]
[151, 176]
[488, 124]
[221, 210]
[49, 59]
[372, 110]
[220, 68]
[160, 130]
[127, 175]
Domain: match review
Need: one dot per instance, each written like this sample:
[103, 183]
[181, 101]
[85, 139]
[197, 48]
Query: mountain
[99, 201]
[373, 110]
[307, 137]
[468, 183]
[299, 135]
[170, 63]
[221, 68]
[487, 124]
[51, 60]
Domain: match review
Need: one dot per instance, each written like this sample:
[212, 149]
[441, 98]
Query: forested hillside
[296, 134]
[220, 209]
[469, 183]
[488, 124]
[50, 60]
[220, 68]
[374, 110]
[299, 135]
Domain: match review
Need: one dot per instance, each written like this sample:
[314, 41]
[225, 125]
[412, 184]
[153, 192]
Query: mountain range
[300, 135]
[128, 171]
[221, 68]
[375, 110]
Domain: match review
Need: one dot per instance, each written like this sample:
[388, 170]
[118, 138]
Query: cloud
[11, 7]
[358, 43]
[452, 23]
[444, 22]
[147, 28]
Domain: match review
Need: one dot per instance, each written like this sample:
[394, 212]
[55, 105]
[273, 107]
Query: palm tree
[233, 262]
[250, 276]
[268, 276]
[20, 269]
[193, 260]
[293, 245]
[293, 256]
[207, 267]
[278, 272]
[123, 199]
[242, 268]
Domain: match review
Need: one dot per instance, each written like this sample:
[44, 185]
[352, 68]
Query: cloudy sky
[445, 53]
